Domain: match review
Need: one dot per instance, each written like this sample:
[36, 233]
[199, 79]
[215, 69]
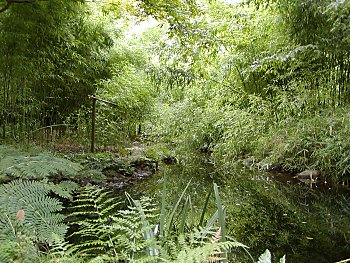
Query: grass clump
[314, 142]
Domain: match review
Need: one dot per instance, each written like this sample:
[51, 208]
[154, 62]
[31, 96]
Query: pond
[263, 210]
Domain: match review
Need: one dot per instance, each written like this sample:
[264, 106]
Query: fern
[9, 151]
[205, 252]
[104, 232]
[26, 209]
[127, 235]
[91, 221]
[191, 247]
[19, 250]
[18, 165]
[135, 237]
[64, 189]
[7, 248]
[60, 252]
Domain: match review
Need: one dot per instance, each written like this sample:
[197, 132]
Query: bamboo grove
[54, 52]
[39, 88]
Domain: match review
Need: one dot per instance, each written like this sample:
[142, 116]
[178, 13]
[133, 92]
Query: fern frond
[192, 247]
[265, 257]
[127, 235]
[91, 218]
[205, 252]
[119, 234]
[21, 249]
[64, 189]
[216, 237]
[9, 151]
[6, 249]
[40, 218]
[37, 167]
[60, 252]
[217, 256]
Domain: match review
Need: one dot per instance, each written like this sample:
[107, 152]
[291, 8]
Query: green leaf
[221, 212]
[265, 257]
[174, 210]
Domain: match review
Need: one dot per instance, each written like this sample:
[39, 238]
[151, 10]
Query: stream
[265, 210]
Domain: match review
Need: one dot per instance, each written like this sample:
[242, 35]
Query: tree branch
[10, 2]
[7, 6]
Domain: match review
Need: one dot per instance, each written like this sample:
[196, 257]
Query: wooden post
[93, 123]
[3, 126]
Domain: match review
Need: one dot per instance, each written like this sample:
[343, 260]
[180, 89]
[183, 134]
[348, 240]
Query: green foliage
[259, 91]
[174, 12]
[132, 98]
[16, 164]
[37, 167]
[52, 53]
[268, 85]
[60, 252]
[266, 92]
[314, 142]
[29, 215]
[198, 249]
[29, 212]
[266, 258]
[40, 220]
[104, 230]
[128, 87]
[193, 242]
[128, 234]
[19, 250]
[91, 218]
[9, 151]
[320, 24]
[135, 237]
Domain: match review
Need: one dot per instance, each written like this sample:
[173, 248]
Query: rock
[308, 176]
[144, 163]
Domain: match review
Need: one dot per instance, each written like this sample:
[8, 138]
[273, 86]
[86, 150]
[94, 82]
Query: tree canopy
[240, 85]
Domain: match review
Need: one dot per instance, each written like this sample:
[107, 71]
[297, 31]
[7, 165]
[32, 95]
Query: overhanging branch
[7, 6]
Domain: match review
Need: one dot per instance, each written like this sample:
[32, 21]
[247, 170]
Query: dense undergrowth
[225, 90]
[230, 135]
[255, 135]
[181, 222]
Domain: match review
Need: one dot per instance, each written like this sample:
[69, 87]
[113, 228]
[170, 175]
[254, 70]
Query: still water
[263, 210]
